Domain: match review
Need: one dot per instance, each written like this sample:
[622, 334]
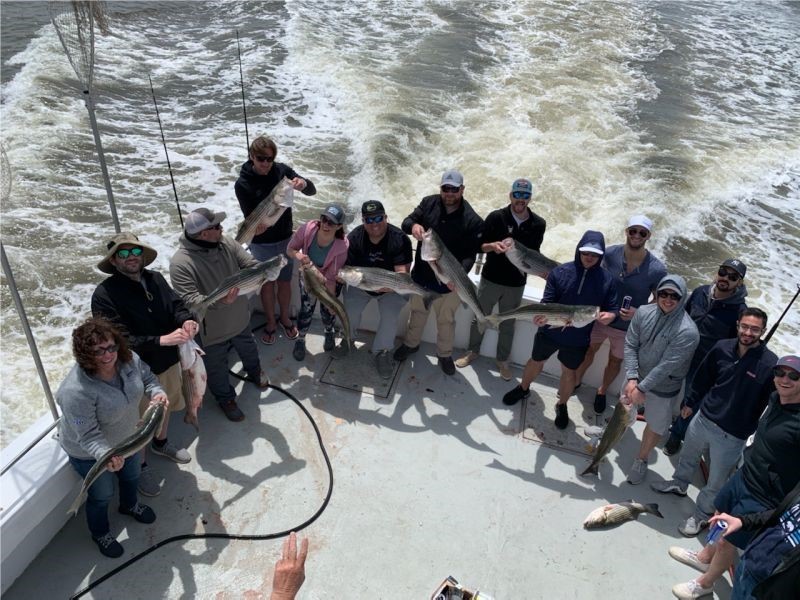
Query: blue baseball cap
[335, 213]
[522, 185]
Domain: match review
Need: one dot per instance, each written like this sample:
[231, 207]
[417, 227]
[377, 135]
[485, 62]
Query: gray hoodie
[658, 346]
[96, 416]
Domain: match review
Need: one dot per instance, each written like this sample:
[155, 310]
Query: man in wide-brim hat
[155, 320]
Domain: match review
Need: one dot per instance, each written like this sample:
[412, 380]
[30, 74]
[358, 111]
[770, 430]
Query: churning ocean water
[687, 112]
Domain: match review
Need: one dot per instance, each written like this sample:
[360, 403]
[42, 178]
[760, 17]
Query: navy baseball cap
[335, 213]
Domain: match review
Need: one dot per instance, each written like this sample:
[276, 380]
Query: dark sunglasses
[110, 349]
[670, 295]
[326, 221]
[731, 275]
[125, 253]
[590, 254]
[213, 227]
[780, 373]
[260, 158]
[640, 232]
[375, 219]
[450, 189]
[521, 195]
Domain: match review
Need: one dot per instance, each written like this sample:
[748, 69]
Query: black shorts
[569, 356]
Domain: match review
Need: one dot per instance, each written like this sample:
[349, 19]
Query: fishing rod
[241, 80]
[783, 314]
[163, 141]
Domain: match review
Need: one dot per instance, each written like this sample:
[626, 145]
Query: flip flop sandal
[268, 337]
[290, 331]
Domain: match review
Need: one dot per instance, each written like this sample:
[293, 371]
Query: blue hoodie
[570, 283]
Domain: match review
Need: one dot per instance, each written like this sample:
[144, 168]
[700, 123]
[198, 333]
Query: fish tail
[653, 509]
[591, 469]
[73, 509]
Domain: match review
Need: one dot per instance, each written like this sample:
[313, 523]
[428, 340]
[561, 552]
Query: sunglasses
[326, 221]
[589, 254]
[375, 219]
[214, 227]
[521, 195]
[125, 253]
[780, 373]
[100, 351]
[260, 158]
[640, 232]
[450, 189]
[731, 275]
[670, 295]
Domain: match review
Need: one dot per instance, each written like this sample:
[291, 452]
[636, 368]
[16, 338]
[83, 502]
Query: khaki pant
[444, 307]
[172, 382]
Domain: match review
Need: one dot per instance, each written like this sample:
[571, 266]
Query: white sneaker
[691, 590]
[467, 359]
[687, 557]
[505, 372]
[637, 472]
[692, 526]
[179, 455]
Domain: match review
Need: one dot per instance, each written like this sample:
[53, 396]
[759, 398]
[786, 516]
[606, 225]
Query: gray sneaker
[692, 526]
[637, 472]
[179, 455]
[149, 484]
[669, 487]
[384, 364]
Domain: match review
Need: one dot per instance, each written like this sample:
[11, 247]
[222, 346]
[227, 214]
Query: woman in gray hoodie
[99, 401]
[659, 345]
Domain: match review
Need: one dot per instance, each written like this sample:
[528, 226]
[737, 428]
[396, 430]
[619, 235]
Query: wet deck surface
[435, 481]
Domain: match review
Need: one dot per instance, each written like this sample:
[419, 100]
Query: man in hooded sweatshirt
[257, 178]
[658, 349]
[581, 282]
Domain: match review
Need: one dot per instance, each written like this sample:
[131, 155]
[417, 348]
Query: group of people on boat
[707, 342]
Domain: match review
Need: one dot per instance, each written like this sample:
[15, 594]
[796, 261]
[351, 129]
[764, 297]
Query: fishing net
[74, 22]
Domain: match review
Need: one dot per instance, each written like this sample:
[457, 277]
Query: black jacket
[251, 188]
[143, 316]
[461, 231]
[732, 391]
[500, 224]
[715, 319]
[771, 468]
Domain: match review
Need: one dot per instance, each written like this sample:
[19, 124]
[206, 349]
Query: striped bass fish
[268, 211]
[624, 416]
[372, 279]
[528, 260]
[247, 280]
[314, 282]
[565, 315]
[151, 422]
[449, 270]
[614, 514]
[194, 379]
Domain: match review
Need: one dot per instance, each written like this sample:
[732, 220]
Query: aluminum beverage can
[716, 532]
[626, 302]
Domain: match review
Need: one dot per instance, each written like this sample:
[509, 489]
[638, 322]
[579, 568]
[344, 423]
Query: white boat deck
[435, 481]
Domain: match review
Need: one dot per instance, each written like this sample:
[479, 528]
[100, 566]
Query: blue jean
[724, 452]
[102, 490]
[389, 307]
[216, 362]
[743, 583]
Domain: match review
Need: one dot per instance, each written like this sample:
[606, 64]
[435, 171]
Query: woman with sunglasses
[320, 242]
[99, 401]
[257, 178]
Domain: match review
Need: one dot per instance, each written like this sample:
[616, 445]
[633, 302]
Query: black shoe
[109, 546]
[562, 418]
[299, 351]
[447, 365]
[599, 403]
[329, 343]
[231, 410]
[140, 512]
[673, 445]
[403, 352]
[515, 395]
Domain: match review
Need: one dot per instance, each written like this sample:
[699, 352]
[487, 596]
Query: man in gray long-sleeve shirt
[658, 348]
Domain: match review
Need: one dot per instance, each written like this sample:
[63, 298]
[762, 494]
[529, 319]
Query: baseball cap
[641, 221]
[522, 185]
[670, 285]
[736, 265]
[372, 207]
[791, 361]
[201, 219]
[452, 177]
[335, 213]
[592, 246]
